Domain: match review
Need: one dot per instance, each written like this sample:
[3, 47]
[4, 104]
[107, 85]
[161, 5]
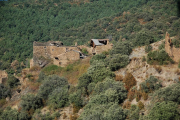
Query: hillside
[23, 22]
[138, 79]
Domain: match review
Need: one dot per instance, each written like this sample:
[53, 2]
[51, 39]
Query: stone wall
[173, 52]
[3, 76]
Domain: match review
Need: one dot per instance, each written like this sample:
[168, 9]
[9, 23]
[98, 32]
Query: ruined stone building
[55, 52]
[100, 45]
[173, 52]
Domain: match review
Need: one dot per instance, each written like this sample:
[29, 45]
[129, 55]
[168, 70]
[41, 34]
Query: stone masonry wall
[173, 52]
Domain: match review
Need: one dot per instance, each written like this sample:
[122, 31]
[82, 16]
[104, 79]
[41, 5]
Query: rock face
[3, 76]
[173, 52]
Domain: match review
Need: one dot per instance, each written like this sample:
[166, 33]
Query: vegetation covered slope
[23, 22]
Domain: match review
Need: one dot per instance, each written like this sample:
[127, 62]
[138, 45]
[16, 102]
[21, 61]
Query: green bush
[171, 93]
[148, 48]
[143, 38]
[176, 43]
[84, 51]
[91, 87]
[30, 101]
[58, 98]
[150, 84]
[98, 57]
[4, 91]
[162, 46]
[12, 81]
[124, 48]
[111, 85]
[164, 111]
[117, 61]
[109, 111]
[49, 84]
[84, 81]
[179, 64]
[77, 98]
[9, 114]
[99, 72]
[158, 57]
[134, 112]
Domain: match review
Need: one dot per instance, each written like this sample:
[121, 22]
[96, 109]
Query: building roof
[96, 42]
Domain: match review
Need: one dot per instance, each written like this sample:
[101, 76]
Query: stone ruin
[58, 54]
[173, 52]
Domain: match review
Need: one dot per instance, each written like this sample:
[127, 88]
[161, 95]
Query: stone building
[55, 52]
[100, 45]
[173, 52]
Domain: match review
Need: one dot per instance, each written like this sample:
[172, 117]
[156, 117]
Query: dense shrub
[164, 111]
[148, 48]
[4, 91]
[124, 48]
[31, 102]
[77, 98]
[91, 87]
[129, 81]
[134, 113]
[84, 81]
[158, 57]
[116, 61]
[171, 93]
[98, 57]
[49, 84]
[176, 43]
[58, 98]
[12, 81]
[102, 112]
[116, 86]
[99, 72]
[9, 114]
[162, 46]
[150, 84]
[143, 38]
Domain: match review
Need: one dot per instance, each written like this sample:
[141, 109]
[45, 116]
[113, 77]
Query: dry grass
[158, 68]
[35, 68]
[76, 70]
[127, 105]
[177, 72]
[140, 105]
[129, 81]
[119, 78]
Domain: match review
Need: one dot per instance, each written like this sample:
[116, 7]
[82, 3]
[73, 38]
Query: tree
[49, 84]
[164, 111]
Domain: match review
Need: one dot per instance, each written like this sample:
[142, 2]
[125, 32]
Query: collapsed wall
[173, 52]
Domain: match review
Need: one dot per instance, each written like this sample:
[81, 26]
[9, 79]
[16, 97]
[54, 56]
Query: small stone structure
[55, 52]
[173, 52]
[3, 76]
[100, 45]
